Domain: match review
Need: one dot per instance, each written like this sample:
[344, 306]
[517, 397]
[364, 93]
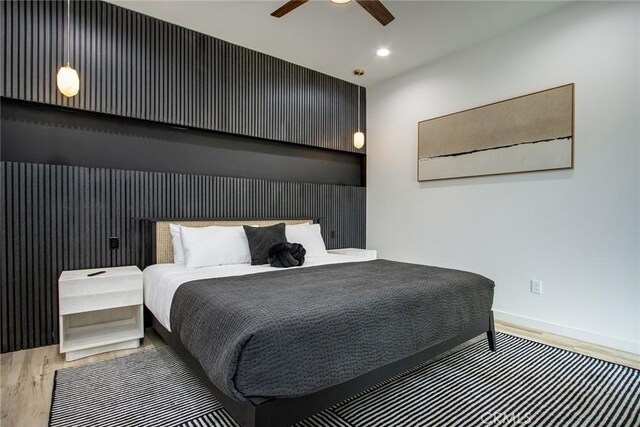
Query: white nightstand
[100, 313]
[368, 254]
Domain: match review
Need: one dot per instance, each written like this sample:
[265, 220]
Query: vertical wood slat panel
[136, 66]
[4, 266]
[56, 218]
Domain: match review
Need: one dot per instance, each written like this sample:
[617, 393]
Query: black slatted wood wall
[136, 66]
[56, 218]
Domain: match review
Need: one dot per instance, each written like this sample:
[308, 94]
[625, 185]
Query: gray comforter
[295, 331]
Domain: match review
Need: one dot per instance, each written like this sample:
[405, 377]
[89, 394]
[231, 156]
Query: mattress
[162, 280]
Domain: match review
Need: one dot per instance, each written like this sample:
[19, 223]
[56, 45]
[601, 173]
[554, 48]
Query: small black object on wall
[114, 243]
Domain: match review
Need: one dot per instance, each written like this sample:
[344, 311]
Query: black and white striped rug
[523, 383]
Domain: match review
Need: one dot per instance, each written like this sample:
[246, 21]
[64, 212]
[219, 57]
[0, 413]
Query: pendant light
[68, 80]
[358, 137]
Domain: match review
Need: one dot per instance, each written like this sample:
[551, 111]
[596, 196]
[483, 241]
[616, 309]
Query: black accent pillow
[261, 239]
[284, 255]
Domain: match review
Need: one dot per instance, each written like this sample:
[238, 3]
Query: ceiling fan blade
[377, 10]
[288, 7]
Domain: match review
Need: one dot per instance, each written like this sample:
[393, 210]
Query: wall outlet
[536, 286]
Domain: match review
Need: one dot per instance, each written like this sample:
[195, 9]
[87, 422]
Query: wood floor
[27, 376]
[27, 380]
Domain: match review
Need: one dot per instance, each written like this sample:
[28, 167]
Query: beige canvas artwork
[528, 133]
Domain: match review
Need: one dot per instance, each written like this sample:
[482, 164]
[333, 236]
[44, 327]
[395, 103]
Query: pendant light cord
[358, 108]
[68, 29]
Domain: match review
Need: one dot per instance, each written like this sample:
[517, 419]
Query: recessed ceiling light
[340, 1]
[383, 51]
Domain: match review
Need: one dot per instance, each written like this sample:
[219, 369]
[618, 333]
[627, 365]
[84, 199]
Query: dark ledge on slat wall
[37, 133]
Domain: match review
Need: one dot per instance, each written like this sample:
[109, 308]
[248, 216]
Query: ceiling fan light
[340, 1]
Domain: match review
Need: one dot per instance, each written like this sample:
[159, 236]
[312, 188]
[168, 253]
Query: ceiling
[338, 38]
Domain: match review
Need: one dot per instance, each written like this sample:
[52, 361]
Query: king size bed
[276, 346]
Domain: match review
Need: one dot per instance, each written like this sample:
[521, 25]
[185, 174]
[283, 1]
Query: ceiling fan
[374, 7]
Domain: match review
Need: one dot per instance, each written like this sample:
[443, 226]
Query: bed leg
[491, 333]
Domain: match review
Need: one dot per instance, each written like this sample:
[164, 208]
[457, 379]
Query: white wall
[576, 230]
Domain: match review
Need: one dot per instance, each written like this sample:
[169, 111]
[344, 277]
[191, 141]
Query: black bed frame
[284, 412]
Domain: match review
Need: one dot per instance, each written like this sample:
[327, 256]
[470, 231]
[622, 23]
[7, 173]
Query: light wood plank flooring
[27, 380]
[593, 350]
[27, 376]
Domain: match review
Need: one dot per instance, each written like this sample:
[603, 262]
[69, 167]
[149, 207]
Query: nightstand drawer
[99, 285]
[105, 300]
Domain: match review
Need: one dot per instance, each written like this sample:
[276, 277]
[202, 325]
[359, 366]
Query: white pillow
[210, 246]
[309, 236]
[176, 240]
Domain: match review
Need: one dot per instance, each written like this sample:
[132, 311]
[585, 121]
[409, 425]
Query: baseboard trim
[579, 334]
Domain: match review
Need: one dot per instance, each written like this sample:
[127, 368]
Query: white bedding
[162, 280]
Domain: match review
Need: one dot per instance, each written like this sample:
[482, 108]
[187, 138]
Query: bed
[276, 346]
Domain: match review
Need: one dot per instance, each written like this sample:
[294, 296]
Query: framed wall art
[529, 133]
